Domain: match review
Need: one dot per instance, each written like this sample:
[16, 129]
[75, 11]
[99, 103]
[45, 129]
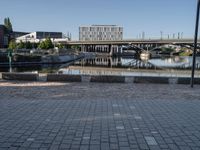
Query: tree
[35, 45]
[60, 46]
[75, 47]
[28, 45]
[42, 45]
[12, 45]
[47, 44]
[8, 24]
[21, 45]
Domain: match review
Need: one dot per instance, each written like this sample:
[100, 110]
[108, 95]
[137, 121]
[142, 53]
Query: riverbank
[28, 60]
[85, 70]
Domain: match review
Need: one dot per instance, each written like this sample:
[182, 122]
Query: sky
[136, 16]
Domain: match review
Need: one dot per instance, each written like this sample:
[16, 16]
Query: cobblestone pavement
[98, 116]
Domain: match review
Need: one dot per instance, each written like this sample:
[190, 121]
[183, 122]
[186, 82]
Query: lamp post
[10, 51]
[195, 44]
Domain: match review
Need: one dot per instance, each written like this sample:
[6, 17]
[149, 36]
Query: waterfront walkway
[42, 115]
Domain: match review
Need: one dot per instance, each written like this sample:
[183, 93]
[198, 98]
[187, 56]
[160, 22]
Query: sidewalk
[42, 115]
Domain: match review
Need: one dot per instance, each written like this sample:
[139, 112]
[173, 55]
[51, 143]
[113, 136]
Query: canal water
[116, 65]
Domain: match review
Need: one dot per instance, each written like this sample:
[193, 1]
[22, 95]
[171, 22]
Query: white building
[38, 36]
[100, 33]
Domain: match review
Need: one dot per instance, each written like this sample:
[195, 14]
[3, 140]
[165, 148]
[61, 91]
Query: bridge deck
[126, 42]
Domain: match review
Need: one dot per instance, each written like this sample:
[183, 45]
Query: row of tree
[8, 24]
[22, 45]
[46, 44]
[9, 28]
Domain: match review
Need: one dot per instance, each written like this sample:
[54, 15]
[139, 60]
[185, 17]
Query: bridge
[114, 47]
[132, 41]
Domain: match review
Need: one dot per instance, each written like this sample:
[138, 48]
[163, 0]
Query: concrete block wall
[108, 79]
[20, 76]
[101, 79]
[63, 78]
[158, 80]
[187, 80]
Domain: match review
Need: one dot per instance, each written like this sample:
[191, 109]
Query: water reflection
[114, 62]
[130, 62]
[128, 66]
[33, 68]
[110, 63]
[177, 62]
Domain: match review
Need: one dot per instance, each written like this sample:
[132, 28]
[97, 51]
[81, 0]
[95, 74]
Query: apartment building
[100, 33]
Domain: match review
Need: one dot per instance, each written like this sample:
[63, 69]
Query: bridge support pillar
[110, 50]
[93, 48]
[82, 48]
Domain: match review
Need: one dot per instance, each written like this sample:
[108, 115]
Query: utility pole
[143, 35]
[161, 35]
[173, 36]
[181, 35]
[195, 44]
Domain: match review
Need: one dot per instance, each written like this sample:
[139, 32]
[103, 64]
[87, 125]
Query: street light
[195, 44]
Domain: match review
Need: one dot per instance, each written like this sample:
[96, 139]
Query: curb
[63, 78]
[96, 78]
[108, 79]
[20, 76]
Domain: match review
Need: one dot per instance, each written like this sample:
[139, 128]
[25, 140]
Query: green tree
[61, 46]
[8, 24]
[28, 45]
[35, 45]
[12, 45]
[47, 44]
[21, 45]
[42, 45]
[75, 47]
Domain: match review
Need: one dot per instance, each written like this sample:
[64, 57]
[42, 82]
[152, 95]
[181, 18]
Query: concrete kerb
[108, 79]
[173, 80]
[150, 79]
[129, 79]
[63, 78]
[86, 78]
[184, 80]
[96, 78]
[20, 76]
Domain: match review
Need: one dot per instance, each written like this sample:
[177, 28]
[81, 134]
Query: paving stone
[86, 137]
[136, 128]
[150, 140]
[138, 117]
[30, 139]
[98, 116]
[120, 127]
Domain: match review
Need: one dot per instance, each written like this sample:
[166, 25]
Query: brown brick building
[4, 36]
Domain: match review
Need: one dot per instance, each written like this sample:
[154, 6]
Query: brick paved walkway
[98, 116]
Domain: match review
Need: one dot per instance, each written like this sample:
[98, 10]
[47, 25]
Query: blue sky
[136, 16]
